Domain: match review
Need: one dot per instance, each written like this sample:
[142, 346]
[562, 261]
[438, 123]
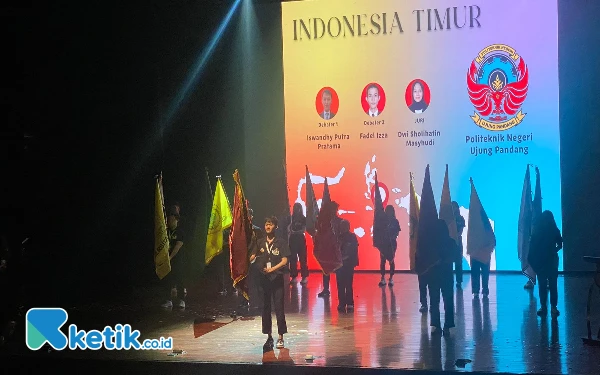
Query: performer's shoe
[304, 281]
[350, 308]
[554, 312]
[382, 281]
[542, 311]
[167, 305]
[485, 295]
[341, 309]
[423, 309]
[324, 293]
[391, 282]
[280, 344]
[269, 343]
[528, 285]
[476, 295]
[181, 304]
[436, 330]
[446, 332]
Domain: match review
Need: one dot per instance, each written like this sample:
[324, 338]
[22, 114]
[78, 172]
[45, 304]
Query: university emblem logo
[497, 82]
[215, 221]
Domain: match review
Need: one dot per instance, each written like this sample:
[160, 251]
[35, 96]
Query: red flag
[240, 238]
[326, 245]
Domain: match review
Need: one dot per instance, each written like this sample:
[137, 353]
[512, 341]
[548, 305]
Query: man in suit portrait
[326, 101]
[372, 99]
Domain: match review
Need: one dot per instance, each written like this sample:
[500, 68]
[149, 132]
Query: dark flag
[240, 238]
[326, 195]
[427, 254]
[380, 238]
[285, 223]
[537, 198]
[446, 211]
[312, 209]
[481, 239]
[525, 226]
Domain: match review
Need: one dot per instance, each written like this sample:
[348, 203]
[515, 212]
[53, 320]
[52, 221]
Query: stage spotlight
[198, 66]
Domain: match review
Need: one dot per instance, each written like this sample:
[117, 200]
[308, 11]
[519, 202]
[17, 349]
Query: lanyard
[270, 247]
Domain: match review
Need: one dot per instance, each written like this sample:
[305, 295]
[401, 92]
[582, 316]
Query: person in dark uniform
[175, 278]
[297, 243]
[392, 232]
[545, 243]
[335, 226]
[345, 275]
[440, 280]
[460, 226]
[271, 256]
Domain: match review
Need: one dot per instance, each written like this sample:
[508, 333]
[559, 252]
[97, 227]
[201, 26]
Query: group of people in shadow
[546, 241]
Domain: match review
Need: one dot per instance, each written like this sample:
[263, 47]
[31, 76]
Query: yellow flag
[220, 219]
[413, 224]
[161, 240]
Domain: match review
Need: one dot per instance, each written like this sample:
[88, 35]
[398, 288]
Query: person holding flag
[176, 276]
[385, 232]
[297, 243]
[327, 243]
[524, 230]
[326, 247]
[481, 242]
[546, 241]
[345, 274]
[460, 227]
[440, 279]
[427, 254]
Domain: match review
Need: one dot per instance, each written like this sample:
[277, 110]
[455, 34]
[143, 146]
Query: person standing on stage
[271, 255]
[297, 243]
[392, 232]
[335, 226]
[460, 226]
[440, 279]
[175, 278]
[545, 243]
[345, 274]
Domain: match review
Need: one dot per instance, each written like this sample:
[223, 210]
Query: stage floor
[501, 334]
